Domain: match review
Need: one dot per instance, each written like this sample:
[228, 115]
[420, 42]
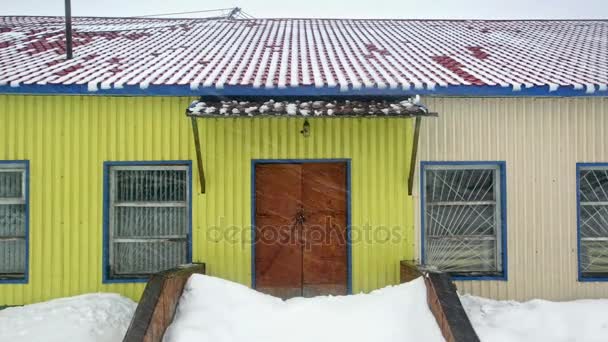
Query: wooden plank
[145, 310]
[324, 187]
[278, 251]
[157, 305]
[278, 256]
[447, 309]
[444, 303]
[325, 263]
[278, 189]
[409, 271]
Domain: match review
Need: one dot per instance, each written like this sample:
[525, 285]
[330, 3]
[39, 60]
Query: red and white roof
[304, 56]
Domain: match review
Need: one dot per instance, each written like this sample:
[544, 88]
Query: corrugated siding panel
[378, 149]
[541, 140]
[68, 138]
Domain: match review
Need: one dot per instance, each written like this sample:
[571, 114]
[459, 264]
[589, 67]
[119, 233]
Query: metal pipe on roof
[68, 29]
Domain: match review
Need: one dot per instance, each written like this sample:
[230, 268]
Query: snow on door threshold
[212, 309]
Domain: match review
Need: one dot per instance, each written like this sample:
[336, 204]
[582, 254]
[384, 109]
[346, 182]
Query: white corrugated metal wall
[541, 140]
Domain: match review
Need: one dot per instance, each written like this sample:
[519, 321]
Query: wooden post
[158, 303]
[444, 303]
[409, 271]
[410, 179]
[199, 154]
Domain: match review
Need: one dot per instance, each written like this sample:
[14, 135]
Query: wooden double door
[301, 229]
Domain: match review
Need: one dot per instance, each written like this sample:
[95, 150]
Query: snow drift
[538, 320]
[212, 309]
[88, 318]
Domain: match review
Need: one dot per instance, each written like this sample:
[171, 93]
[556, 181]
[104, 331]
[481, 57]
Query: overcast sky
[440, 9]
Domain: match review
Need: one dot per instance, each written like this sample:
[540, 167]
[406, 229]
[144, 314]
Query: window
[147, 218]
[13, 221]
[593, 221]
[463, 218]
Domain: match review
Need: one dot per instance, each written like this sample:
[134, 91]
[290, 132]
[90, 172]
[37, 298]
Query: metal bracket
[199, 154]
[410, 179]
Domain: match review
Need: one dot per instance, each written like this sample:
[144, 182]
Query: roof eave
[301, 91]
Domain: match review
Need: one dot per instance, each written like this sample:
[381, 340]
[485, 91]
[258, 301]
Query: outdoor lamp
[305, 129]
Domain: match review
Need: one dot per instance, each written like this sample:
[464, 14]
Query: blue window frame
[14, 221]
[147, 218]
[592, 221]
[463, 218]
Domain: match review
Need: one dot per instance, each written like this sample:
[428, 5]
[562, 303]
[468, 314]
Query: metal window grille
[463, 218]
[12, 221]
[593, 221]
[149, 219]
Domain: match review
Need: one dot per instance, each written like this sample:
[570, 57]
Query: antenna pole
[68, 29]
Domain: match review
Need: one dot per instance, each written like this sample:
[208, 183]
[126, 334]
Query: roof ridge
[305, 18]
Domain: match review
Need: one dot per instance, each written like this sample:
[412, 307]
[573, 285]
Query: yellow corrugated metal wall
[67, 139]
[541, 140]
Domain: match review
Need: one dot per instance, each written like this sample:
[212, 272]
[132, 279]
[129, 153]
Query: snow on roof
[304, 56]
[207, 107]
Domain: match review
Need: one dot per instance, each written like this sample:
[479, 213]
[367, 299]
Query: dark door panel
[325, 235]
[301, 223]
[324, 187]
[278, 189]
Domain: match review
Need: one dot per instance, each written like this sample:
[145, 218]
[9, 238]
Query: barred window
[593, 220]
[13, 220]
[463, 221]
[149, 219]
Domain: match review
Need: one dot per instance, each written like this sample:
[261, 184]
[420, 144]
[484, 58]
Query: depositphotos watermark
[328, 232]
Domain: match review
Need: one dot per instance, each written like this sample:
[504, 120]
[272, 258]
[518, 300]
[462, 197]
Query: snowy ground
[88, 318]
[538, 320]
[218, 310]
[213, 309]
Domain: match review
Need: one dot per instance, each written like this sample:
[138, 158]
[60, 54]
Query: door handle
[302, 218]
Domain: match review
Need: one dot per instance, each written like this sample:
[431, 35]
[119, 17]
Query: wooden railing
[157, 305]
[443, 302]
